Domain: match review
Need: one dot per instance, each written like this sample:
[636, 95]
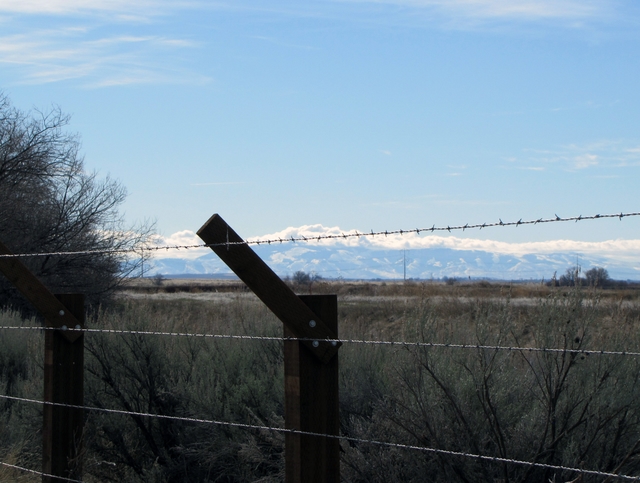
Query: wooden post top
[269, 288]
[54, 312]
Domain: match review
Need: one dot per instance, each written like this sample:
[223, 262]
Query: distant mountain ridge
[370, 262]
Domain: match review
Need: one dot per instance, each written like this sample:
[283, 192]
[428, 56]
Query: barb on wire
[341, 341]
[426, 449]
[301, 238]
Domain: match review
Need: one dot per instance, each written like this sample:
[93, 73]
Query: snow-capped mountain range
[419, 256]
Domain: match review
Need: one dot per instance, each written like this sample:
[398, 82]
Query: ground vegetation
[562, 408]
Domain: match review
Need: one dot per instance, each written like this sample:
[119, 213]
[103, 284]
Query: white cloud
[620, 250]
[585, 161]
[291, 255]
[55, 55]
[180, 238]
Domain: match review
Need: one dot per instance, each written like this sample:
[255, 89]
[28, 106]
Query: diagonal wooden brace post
[311, 366]
[53, 310]
[269, 288]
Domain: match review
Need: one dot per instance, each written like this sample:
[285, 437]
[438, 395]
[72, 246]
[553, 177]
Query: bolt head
[312, 323]
[64, 327]
[61, 313]
[315, 343]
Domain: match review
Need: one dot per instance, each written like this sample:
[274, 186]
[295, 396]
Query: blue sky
[353, 114]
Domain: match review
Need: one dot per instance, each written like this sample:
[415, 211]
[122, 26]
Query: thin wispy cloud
[575, 157]
[419, 203]
[280, 43]
[472, 202]
[221, 183]
[456, 170]
[74, 7]
[75, 54]
[505, 9]
[86, 42]
[478, 10]
[585, 161]
[586, 106]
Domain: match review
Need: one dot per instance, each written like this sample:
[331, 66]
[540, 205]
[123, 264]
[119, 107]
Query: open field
[421, 288]
[569, 408]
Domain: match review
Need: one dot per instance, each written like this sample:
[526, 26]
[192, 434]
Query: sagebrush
[558, 408]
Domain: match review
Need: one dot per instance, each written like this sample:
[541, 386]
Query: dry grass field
[417, 288]
[563, 408]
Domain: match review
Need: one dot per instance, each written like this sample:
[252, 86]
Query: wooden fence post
[62, 432]
[311, 403]
[269, 288]
[311, 365]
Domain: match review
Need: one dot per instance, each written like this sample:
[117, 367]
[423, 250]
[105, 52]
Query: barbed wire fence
[493, 459]
[394, 343]
[405, 344]
[341, 236]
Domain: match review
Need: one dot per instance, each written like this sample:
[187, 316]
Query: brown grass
[411, 288]
[387, 393]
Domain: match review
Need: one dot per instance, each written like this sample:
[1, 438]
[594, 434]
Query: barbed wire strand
[354, 234]
[342, 341]
[39, 473]
[494, 459]
[360, 341]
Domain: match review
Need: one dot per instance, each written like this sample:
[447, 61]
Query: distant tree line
[302, 280]
[595, 277]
